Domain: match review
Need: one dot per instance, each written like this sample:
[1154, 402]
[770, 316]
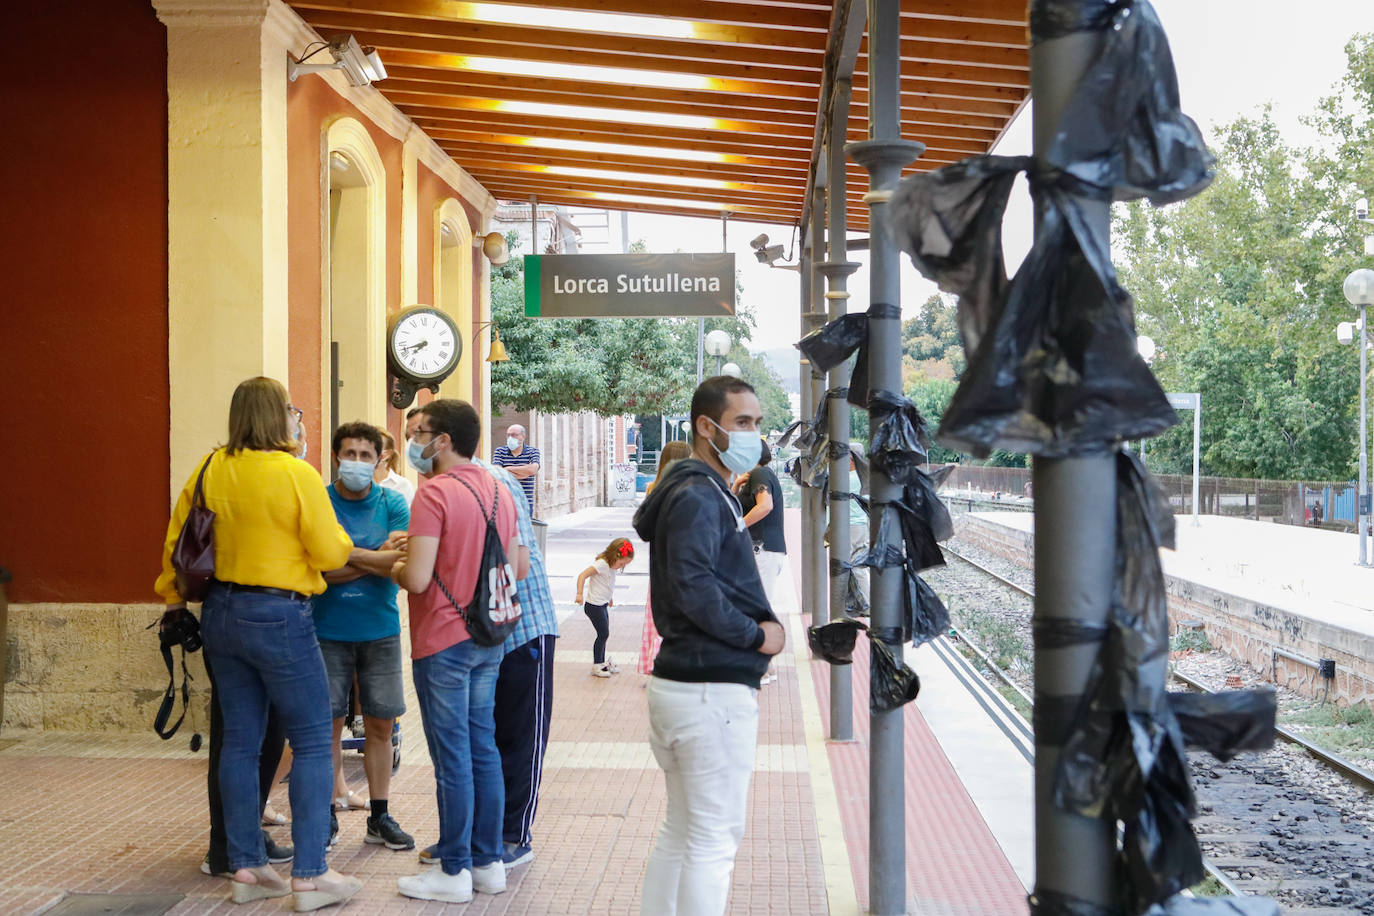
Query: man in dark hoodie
[718, 636]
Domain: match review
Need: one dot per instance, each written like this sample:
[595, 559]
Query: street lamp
[717, 345]
[731, 369]
[1359, 292]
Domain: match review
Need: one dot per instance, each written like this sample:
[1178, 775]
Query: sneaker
[383, 830]
[514, 855]
[612, 667]
[433, 884]
[205, 869]
[600, 671]
[277, 854]
[767, 679]
[490, 879]
[357, 728]
[430, 855]
[333, 831]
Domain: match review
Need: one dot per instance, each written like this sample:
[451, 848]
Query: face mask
[512, 443]
[415, 455]
[744, 449]
[356, 476]
[302, 441]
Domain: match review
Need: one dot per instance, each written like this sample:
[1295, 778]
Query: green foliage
[931, 397]
[1240, 287]
[777, 411]
[931, 346]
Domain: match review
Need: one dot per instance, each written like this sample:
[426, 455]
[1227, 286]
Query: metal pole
[1197, 454]
[883, 156]
[701, 345]
[837, 270]
[534, 224]
[808, 410]
[816, 317]
[1075, 537]
[1361, 513]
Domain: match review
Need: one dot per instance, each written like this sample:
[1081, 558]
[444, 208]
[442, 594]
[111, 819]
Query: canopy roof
[699, 107]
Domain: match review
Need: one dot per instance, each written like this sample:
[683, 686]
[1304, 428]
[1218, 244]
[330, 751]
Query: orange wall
[311, 107]
[83, 330]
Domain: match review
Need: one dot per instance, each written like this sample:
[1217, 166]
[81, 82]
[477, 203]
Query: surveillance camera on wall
[1362, 209]
[758, 243]
[361, 66]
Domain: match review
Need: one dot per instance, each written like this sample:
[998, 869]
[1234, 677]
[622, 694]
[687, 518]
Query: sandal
[352, 802]
[271, 817]
[268, 884]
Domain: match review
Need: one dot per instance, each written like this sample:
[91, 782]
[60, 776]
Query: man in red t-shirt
[455, 679]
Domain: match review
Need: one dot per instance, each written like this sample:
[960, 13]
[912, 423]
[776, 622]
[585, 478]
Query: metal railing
[1287, 502]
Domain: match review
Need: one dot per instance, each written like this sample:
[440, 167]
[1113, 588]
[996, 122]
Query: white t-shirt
[601, 584]
[398, 483]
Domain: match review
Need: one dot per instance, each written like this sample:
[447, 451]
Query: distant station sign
[1183, 401]
[629, 285]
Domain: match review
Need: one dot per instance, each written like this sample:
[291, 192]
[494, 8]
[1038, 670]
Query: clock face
[424, 344]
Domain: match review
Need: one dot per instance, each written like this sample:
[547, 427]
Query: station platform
[114, 822]
[1254, 587]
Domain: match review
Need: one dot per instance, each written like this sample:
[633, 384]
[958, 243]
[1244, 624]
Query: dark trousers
[524, 706]
[273, 743]
[601, 621]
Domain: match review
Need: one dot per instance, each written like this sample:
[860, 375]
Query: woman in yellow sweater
[275, 533]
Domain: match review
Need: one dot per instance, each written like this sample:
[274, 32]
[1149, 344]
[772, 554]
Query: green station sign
[629, 285]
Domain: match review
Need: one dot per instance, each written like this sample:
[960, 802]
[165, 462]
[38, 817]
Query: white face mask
[512, 443]
[744, 450]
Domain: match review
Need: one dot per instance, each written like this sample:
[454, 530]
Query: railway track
[1295, 823]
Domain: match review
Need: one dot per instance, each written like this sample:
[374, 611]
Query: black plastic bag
[834, 641]
[1052, 363]
[1228, 721]
[898, 447]
[926, 616]
[891, 685]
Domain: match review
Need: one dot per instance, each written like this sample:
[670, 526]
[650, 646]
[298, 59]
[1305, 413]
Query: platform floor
[124, 814]
[1310, 571]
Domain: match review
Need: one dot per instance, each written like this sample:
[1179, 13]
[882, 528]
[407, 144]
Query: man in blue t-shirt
[358, 622]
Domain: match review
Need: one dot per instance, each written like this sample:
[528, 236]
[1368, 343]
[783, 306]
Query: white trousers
[703, 736]
[770, 571]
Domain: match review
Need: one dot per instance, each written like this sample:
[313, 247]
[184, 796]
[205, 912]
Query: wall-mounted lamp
[493, 245]
[361, 66]
[497, 353]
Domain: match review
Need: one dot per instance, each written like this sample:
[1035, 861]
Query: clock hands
[419, 346]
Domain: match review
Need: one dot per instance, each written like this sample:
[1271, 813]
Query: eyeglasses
[295, 412]
[423, 431]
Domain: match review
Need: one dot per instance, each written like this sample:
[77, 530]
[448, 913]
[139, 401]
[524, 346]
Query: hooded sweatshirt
[704, 584]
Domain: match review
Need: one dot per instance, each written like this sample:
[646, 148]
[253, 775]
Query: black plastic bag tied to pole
[1053, 371]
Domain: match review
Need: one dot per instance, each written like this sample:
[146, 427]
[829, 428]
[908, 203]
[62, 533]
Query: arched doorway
[354, 361]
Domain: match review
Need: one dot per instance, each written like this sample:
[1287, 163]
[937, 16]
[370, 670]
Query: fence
[1287, 502]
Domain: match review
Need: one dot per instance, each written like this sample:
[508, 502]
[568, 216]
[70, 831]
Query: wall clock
[423, 347]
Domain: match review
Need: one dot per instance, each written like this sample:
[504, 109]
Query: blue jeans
[456, 689]
[263, 649]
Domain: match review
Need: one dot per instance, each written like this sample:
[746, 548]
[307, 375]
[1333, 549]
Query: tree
[777, 410]
[1241, 289]
[604, 365]
[931, 346]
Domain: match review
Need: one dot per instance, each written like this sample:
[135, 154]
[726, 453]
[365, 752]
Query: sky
[1232, 57]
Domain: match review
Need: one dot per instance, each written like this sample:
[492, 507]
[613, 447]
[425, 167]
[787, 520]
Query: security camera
[758, 243]
[360, 66]
[1362, 209]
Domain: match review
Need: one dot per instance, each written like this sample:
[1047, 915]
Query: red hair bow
[626, 549]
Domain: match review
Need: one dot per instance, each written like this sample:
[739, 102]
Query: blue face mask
[512, 443]
[415, 455]
[356, 476]
[743, 452]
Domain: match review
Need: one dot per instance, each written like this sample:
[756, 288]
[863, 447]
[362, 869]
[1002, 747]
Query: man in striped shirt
[520, 459]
